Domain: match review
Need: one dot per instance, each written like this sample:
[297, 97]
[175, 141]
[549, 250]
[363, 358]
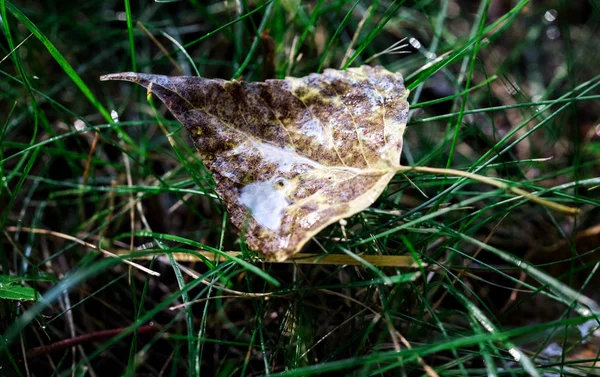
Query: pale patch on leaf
[291, 156]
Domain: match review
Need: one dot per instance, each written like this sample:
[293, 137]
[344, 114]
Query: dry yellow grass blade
[299, 258]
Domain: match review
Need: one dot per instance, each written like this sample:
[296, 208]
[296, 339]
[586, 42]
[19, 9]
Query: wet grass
[500, 285]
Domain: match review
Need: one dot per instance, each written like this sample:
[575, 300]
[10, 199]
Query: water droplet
[550, 15]
[553, 32]
[79, 125]
[415, 43]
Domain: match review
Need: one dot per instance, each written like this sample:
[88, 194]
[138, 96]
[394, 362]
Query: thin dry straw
[300, 258]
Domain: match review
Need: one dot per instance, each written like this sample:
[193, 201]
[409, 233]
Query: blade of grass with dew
[393, 8]
[494, 108]
[518, 355]
[59, 58]
[456, 54]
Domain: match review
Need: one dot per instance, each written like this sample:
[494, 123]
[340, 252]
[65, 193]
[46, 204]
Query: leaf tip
[127, 76]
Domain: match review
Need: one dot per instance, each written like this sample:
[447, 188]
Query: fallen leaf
[291, 156]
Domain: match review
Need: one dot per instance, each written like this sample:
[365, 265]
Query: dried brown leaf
[291, 156]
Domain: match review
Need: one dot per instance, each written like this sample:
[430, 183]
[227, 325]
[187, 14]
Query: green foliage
[508, 90]
[11, 289]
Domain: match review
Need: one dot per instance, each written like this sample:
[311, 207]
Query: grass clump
[481, 281]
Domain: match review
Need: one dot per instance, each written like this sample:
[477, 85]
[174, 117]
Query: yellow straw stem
[299, 258]
[493, 182]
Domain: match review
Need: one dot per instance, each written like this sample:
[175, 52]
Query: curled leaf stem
[493, 182]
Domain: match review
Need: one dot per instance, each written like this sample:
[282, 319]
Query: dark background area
[59, 174]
